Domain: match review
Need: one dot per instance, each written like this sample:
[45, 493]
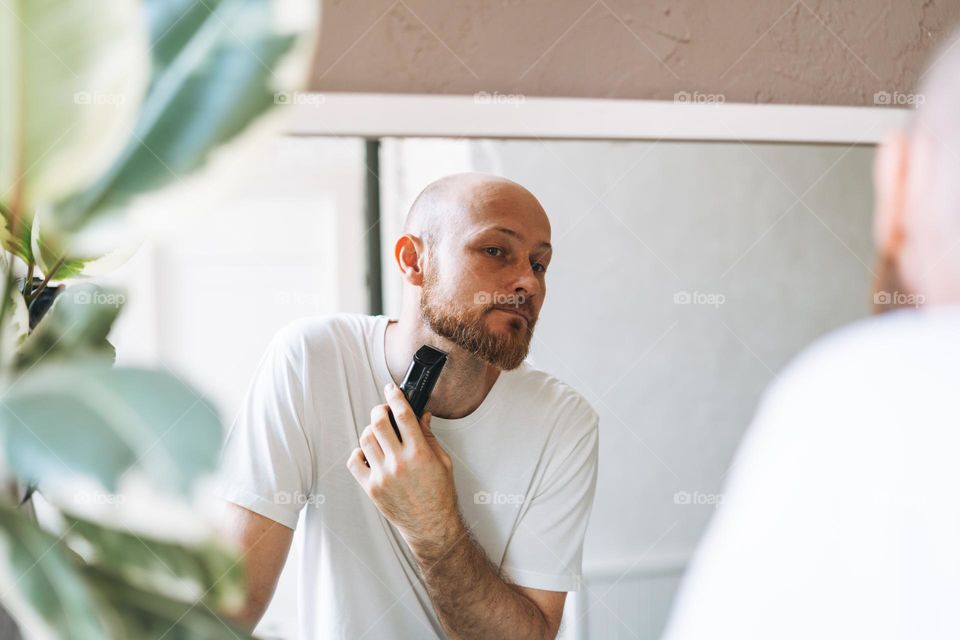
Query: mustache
[524, 309]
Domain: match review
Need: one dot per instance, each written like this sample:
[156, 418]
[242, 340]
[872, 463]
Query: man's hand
[410, 482]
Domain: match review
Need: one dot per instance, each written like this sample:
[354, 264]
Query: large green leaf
[212, 70]
[207, 571]
[55, 593]
[144, 614]
[76, 326]
[41, 583]
[60, 420]
[72, 75]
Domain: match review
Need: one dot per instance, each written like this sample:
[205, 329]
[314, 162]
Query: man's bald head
[452, 201]
[917, 218]
[936, 131]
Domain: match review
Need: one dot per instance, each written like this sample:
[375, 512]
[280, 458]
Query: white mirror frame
[372, 115]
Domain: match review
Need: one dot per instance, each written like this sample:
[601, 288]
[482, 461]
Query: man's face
[479, 285]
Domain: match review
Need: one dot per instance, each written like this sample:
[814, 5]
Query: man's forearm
[469, 596]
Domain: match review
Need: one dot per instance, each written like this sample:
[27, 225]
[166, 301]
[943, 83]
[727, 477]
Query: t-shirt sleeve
[546, 550]
[266, 462]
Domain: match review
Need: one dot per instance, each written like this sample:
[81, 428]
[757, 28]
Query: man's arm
[411, 483]
[472, 600]
[264, 545]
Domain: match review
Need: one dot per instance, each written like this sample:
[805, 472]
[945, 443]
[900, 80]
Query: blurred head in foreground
[917, 182]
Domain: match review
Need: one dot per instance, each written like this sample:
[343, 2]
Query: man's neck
[465, 380]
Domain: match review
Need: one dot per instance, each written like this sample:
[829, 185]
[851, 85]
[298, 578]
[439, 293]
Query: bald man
[471, 524]
[841, 516]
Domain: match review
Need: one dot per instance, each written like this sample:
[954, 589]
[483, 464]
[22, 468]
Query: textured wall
[799, 51]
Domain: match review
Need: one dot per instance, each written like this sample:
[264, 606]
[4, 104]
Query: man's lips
[516, 312]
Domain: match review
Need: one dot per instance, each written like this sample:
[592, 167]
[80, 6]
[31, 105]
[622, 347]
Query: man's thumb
[432, 440]
[428, 431]
[425, 424]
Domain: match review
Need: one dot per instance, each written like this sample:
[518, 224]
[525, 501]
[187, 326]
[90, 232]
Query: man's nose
[527, 283]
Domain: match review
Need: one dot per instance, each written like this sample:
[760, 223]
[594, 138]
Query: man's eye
[541, 266]
[494, 251]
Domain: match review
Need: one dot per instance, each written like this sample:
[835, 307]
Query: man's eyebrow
[511, 232]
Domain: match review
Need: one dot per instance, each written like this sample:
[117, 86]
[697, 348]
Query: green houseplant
[101, 102]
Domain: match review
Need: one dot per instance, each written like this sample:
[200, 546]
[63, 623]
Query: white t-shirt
[842, 514]
[525, 465]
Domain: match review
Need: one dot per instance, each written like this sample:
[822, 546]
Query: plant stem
[43, 285]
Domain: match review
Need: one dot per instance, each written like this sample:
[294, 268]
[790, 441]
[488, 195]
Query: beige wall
[800, 51]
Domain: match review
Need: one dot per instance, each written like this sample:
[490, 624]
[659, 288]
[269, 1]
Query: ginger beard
[888, 280]
[467, 327]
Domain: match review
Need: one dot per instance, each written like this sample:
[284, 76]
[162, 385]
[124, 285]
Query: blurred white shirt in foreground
[842, 513]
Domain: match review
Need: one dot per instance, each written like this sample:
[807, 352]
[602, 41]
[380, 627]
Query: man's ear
[408, 252]
[890, 178]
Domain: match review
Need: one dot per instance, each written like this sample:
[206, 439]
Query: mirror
[685, 275]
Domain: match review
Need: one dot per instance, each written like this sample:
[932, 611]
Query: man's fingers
[371, 448]
[383, 430]
[357, 464]
[406, 421]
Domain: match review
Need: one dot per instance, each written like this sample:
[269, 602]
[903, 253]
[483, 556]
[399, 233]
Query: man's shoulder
[877, 359]
[896, 337]
[546, 393]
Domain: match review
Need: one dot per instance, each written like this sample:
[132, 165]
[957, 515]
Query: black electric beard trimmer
[419, 381]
